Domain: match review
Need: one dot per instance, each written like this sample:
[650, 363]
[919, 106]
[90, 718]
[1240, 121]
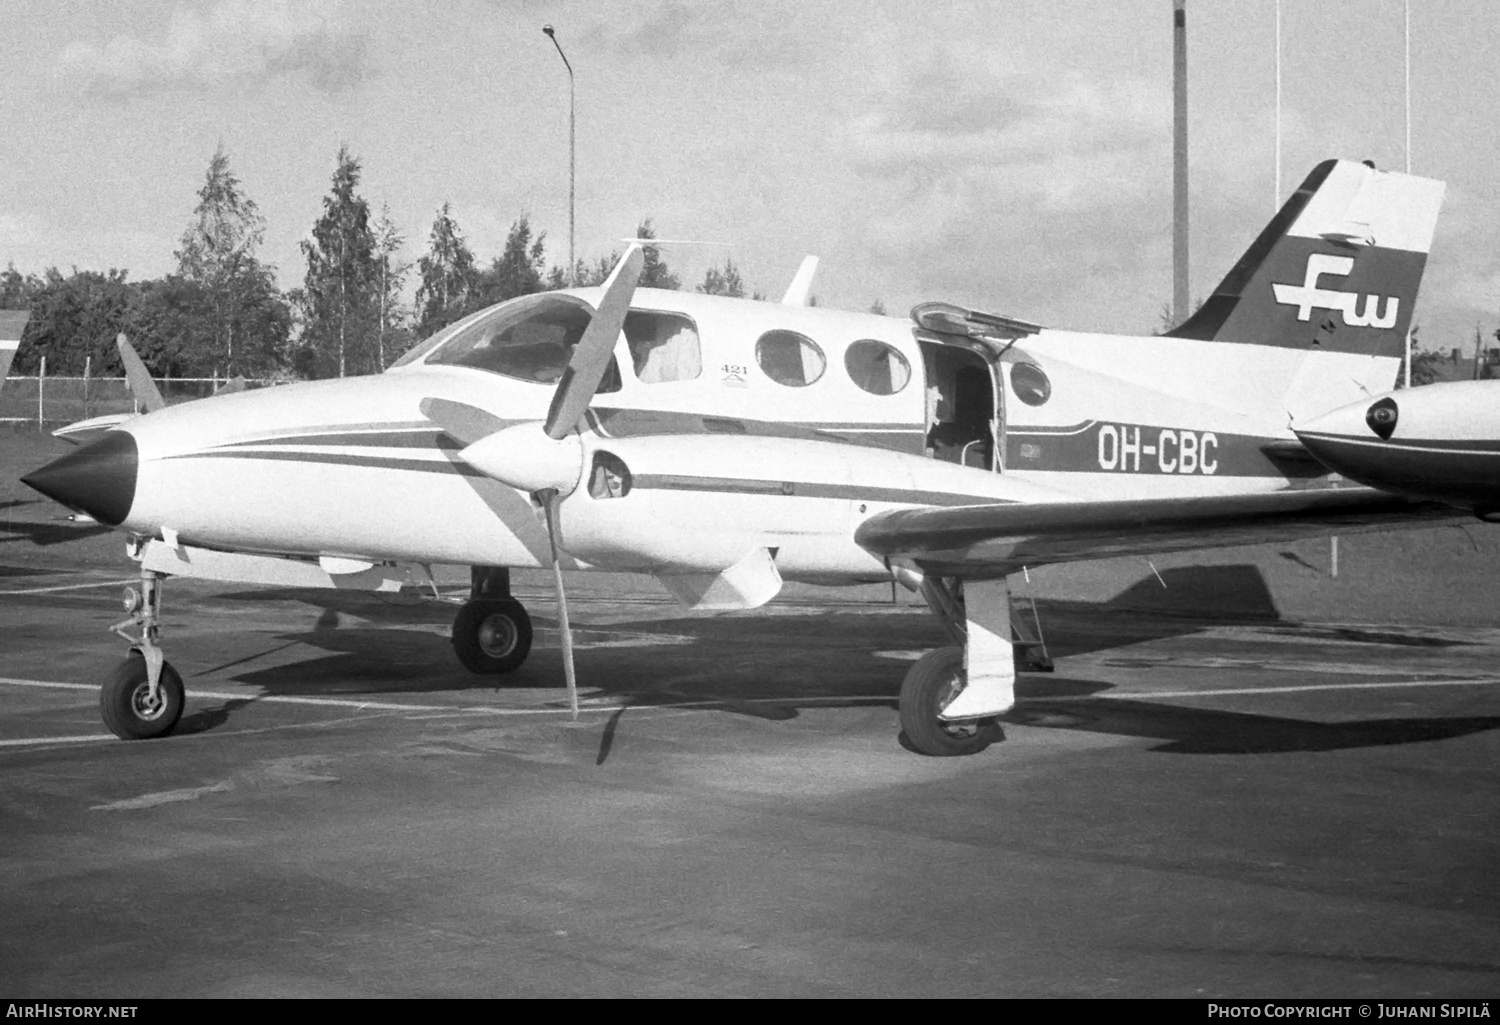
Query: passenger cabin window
[1030, 384]
[789, 358]
[663, 346]
[529, 339]
[876, 367]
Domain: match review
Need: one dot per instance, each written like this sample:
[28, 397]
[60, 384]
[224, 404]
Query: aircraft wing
[985, 541]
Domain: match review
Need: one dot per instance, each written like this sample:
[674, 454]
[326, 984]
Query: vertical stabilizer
[138, 377]
[12, 324]
[801, 287]
[1334, 276]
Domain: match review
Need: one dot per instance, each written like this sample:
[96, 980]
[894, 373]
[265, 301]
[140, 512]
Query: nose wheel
[143, 697]
[135, 710]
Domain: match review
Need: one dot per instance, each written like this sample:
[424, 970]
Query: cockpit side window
[663, 346]
[529, 339]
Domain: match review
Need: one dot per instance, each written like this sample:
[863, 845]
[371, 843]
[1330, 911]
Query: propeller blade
[579, 382]
[463, 422]
[549, 503]
[138, 377]
[513, 452]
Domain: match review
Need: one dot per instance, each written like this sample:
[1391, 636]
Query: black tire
[930, 686]
[124, 700]
[492, 635]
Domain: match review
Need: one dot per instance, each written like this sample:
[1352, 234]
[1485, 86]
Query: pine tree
[518, 269]
[341, 293]
[391, 330]
[654, 273]
[217, 255]
[447, 272]
[724, 282]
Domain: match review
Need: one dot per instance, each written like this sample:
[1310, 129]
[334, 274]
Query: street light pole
[572, 164]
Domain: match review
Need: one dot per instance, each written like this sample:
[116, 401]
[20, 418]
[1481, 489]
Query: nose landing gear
[143, 696]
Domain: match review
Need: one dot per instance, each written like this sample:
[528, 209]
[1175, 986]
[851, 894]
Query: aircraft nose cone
[98, 478]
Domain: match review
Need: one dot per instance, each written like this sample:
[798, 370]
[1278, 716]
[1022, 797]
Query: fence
[45, 400]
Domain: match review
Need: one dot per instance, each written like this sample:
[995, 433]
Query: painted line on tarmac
[400, 706]
[1304, 688]
[73, 587]
[35, 741]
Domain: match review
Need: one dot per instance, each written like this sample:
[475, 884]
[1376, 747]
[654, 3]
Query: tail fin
[1337, 268]
[12, 324]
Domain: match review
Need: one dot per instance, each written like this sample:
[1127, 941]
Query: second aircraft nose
[98, 478]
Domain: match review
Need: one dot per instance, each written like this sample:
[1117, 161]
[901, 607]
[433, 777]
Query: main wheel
[930, 686]
[492, 635]
[126, 703]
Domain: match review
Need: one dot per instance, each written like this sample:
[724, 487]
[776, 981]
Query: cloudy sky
[1012, 156]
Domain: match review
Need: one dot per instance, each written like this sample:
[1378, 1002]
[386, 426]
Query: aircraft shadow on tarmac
[43, 532]
[1205, 731]
[767, 666]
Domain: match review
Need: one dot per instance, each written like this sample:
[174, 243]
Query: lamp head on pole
[547, 30]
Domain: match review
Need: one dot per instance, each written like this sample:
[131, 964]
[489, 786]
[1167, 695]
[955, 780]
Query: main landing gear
[143, 696]
[492, 632]
[951, 697]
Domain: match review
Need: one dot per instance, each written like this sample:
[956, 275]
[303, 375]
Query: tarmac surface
[1260, 780]
[1189, 806]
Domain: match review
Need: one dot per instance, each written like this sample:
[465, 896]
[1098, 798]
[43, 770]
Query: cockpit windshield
[530, 339]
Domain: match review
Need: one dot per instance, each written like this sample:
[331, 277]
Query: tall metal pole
[572, 153]
[1276, 196]
[1407, 45]
[1408, 86]
[1181, 294]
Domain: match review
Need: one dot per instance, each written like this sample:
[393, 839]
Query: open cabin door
[962, 352]
[965, 406]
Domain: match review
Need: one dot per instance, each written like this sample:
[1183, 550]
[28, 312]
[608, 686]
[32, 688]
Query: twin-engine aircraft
[727, 445]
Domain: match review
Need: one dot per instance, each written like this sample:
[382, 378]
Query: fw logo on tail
[1307, 295]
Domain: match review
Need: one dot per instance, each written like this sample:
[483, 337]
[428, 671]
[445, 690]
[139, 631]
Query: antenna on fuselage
[801, 286]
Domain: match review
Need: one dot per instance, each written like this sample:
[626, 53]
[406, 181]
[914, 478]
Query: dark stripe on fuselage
[1102, 447]
[1090, 446]
[337, 459]
[417, 437]
[640, 423]
[807, 489]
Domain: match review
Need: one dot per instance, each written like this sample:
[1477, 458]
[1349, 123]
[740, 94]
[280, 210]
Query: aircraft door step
[1026, 636]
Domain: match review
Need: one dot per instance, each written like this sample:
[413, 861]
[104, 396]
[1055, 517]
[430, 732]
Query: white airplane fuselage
[352, 468]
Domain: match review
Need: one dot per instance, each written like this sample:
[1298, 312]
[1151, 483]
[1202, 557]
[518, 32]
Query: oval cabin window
[789, 358]
[876, 367]
[1030, 384]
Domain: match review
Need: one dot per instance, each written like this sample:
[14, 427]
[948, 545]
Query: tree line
[221, 312]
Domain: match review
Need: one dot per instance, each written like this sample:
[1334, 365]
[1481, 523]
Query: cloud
[235, 40]
[729, 33]
[1044, 193]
